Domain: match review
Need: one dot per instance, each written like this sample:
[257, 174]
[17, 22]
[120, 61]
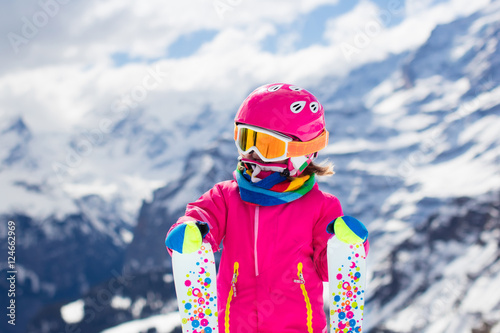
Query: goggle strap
[298, 148]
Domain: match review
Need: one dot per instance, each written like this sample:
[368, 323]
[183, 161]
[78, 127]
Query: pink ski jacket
[273, 259]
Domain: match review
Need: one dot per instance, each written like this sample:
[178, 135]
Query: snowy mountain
[440, 275]
[415, 143]
[416, 147]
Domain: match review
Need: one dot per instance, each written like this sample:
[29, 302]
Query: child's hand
[348, 229]
[187, 237]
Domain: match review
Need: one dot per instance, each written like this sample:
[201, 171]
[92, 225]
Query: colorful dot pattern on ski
[347, 314]
[200, 309]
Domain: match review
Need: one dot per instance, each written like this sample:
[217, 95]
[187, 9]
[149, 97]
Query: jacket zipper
[256, 233]
[302, 283]
[232, 292]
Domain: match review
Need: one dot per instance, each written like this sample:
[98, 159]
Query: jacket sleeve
[210, 208]
[331, 210]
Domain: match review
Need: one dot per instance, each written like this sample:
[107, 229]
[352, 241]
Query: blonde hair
[322, 169]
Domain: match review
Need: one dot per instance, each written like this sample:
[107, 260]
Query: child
[271, 219]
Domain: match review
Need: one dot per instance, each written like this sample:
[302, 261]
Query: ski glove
[349, 230]
[187, 237]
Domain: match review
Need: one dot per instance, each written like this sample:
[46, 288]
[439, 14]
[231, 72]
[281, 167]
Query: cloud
[369, 32]
[64, 68]
[93, 60]
[346, 27]
[93, 30]
[68, 70]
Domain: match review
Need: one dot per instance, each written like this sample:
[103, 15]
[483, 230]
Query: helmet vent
[274, 88]
[295, 88]
[298, 106]
[314, 106]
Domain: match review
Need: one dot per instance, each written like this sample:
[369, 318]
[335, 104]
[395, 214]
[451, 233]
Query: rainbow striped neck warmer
[274, 189]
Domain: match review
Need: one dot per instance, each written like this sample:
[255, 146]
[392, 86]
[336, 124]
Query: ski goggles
[272, 146]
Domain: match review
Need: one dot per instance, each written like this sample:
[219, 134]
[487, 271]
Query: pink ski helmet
[289, 110]
[283, 108]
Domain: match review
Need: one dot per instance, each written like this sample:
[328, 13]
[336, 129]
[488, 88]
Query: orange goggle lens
[268, 145]
[272, 147]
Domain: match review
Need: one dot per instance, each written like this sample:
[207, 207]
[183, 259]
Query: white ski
[196, 289]
[347, 277]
